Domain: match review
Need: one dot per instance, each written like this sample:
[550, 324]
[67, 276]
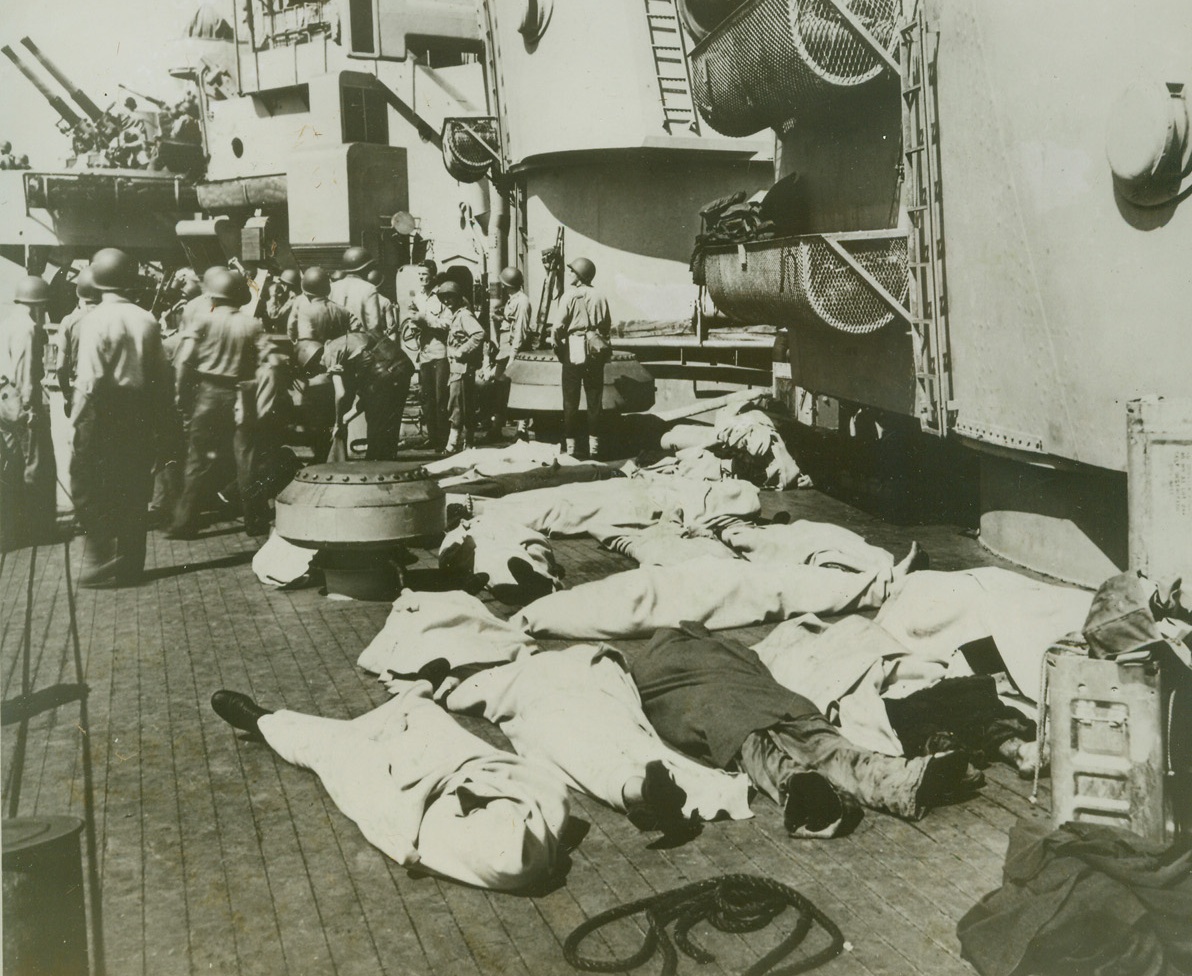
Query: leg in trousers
[572, 380]
[212, 430]
[89, 472]
[433, 377]
[904, 787]
[593, 377]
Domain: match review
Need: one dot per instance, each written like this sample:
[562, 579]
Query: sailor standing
[122, 395]
[357, 295]
[218, 354]
[27, 470]
[465, 342]
[582, 343]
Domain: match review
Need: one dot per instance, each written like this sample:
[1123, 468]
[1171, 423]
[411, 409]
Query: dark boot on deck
[238, 710]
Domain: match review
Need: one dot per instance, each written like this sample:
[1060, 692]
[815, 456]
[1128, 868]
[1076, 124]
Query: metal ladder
[925, 244]
[670, 65]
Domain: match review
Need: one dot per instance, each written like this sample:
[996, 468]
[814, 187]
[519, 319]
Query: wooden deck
[216, 857]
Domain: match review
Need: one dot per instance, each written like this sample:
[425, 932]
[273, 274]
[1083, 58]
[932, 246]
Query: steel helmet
[374, 277]
[357, 259]
[308, 352]
[85, 286]
[449, 288]
[512, 278]
[584, 268]
[229, 286]
[191, 289]
[32, 290]
[291, 278]
[315, 282]
[113, 270]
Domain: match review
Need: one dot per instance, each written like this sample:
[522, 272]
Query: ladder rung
[913, 149]
[677, 108]
[666, 47]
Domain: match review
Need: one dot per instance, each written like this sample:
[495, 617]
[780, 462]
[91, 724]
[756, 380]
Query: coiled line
[731, 903]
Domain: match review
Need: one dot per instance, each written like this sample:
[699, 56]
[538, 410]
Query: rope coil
[730, 903]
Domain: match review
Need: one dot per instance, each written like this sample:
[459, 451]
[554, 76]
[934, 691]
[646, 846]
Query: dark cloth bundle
[967, 709]
[1084, 900]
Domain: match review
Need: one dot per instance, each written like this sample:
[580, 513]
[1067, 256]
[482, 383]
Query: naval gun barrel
[69, 115]
[79, 96]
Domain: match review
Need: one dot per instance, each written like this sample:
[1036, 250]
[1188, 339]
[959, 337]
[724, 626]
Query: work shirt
[465, 337]
[20, 365]
[583, 309]
[121, 348]
[68, 346]
[221, 345]
[279, 302]
[362, 300]
[517, 326]
[320, 319]
[426, 329]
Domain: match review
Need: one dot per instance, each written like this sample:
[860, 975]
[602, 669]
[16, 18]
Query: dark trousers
[384, 404]
[434, 378]
[168, 468]
[111, 475]
[27, 482]
[316, 412]
[213, 436]
[589, 377]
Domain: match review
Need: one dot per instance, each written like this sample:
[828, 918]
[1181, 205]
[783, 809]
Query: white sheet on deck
[281, 563]
[488, 545]
[718, 593]
[932, 614]
[428, 793]
[803, 541]
[486, 462]
[579, 711]
[601, 506]
[453, 625]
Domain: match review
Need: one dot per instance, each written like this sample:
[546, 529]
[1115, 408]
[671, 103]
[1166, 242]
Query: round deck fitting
[536, 383]
[360, 505]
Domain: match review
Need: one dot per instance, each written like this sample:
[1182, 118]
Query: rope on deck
[730, 903]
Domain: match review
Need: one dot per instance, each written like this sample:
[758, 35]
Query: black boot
[662, 802]
[238, 710]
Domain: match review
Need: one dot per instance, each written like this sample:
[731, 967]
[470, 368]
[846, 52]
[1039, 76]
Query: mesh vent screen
[465, 156]
[760, 64]
[790, 281]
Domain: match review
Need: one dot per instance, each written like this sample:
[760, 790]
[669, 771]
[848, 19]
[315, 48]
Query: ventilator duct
[772, 58]
[786, 282]
[471, 147]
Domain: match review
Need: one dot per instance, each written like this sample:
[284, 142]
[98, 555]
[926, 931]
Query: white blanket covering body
[718, 593]
[428, 793]
[578, 711]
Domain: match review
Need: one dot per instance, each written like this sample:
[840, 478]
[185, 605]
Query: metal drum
[360, 505]
[45, 924]
[536, 383]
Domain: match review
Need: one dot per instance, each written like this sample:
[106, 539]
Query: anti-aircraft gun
[94, 133]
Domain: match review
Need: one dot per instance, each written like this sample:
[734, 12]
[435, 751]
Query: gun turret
[79, 97]
[69, 116]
